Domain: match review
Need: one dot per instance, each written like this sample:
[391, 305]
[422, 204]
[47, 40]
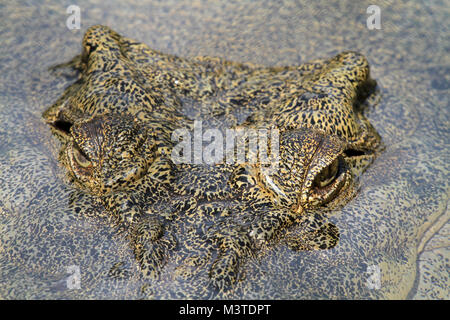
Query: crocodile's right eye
[327, 175]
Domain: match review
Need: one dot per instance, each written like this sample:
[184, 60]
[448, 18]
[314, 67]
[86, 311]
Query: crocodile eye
[327, 175]
[81, 159]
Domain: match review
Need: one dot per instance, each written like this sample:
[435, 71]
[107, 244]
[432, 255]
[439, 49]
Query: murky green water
[397, 225]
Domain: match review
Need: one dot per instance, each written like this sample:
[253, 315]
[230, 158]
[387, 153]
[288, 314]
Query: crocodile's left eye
[80, 164]
[81, 158]
[327, 175]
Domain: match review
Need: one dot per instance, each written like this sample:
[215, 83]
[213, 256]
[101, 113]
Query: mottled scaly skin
[115, 125]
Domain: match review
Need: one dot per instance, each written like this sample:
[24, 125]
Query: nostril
[62, 125]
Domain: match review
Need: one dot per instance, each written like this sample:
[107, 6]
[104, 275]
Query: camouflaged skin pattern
[115, 124]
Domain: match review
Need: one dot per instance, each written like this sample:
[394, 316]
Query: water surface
[398, 223]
